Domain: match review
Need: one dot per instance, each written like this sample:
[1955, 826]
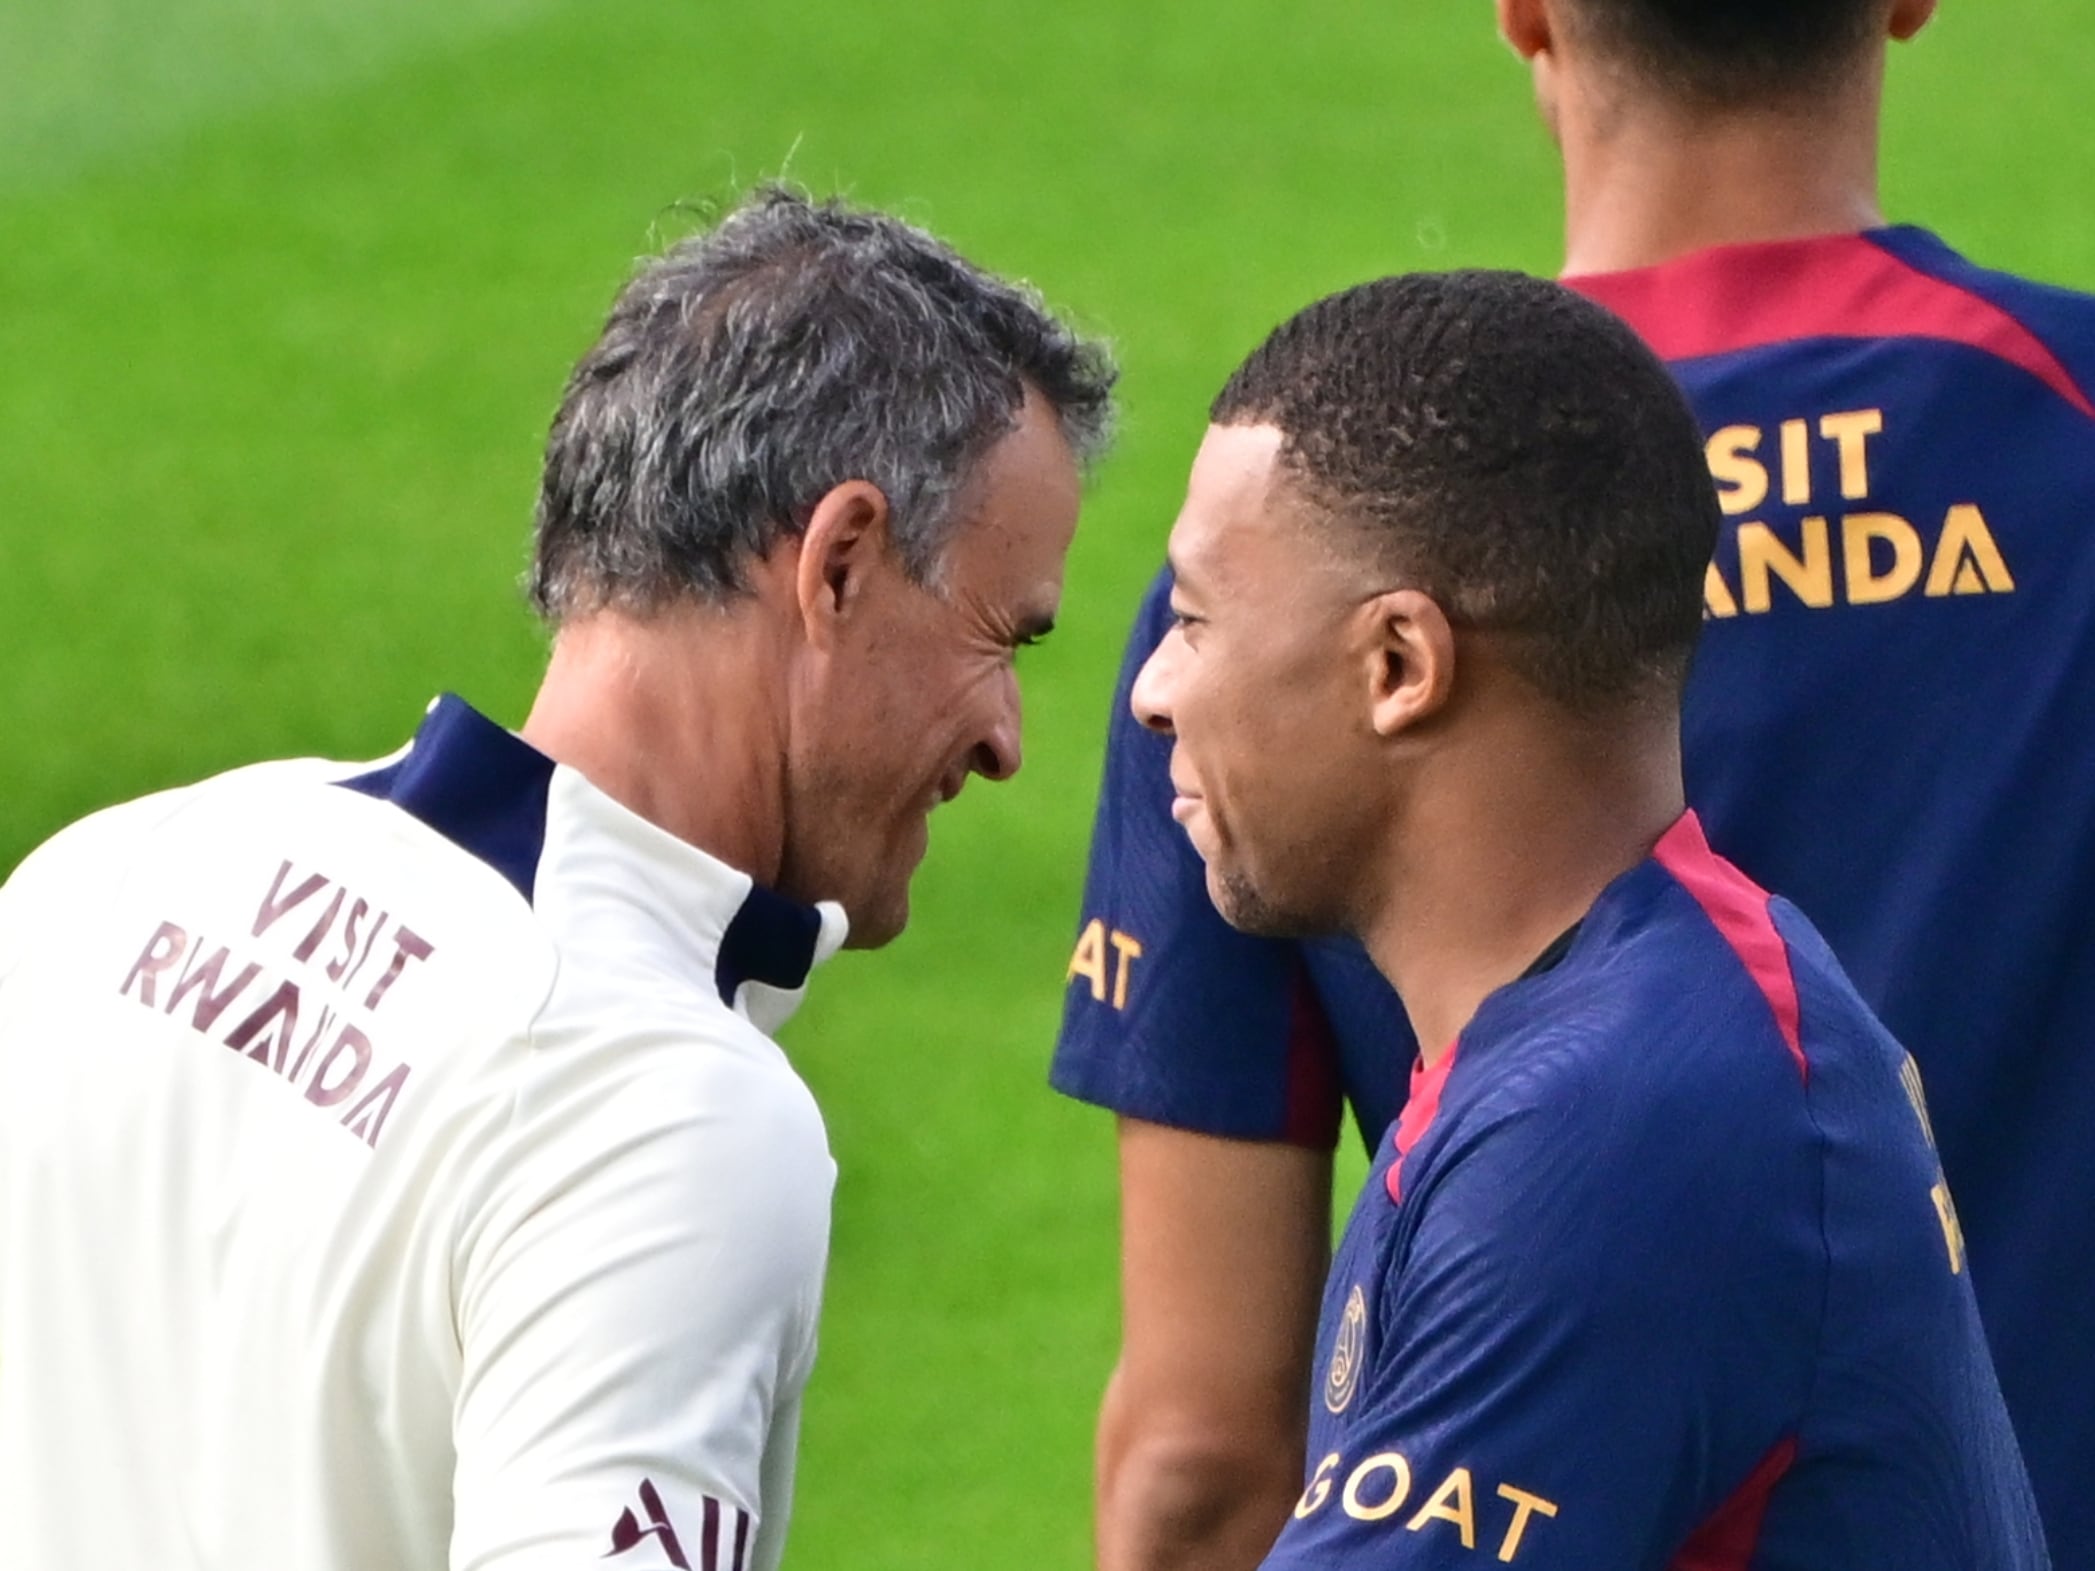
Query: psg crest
[1342, 1379]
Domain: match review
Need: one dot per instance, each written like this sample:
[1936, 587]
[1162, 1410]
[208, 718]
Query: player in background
[396, 1167]
[1884, 723]
[1654, 1270]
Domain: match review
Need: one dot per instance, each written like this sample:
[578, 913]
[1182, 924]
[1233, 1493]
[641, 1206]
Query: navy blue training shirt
[1657, 1270]
[1889, 723]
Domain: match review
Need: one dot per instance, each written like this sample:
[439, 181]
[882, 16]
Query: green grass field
[287, 292]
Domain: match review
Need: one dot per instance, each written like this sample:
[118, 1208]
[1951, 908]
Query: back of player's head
[1512, 450]
[1730, 52]
[751, 369]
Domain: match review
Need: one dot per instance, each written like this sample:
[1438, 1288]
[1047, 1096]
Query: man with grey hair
[396, 1168]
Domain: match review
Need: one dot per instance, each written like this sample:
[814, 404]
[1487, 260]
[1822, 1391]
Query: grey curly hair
[752, 368]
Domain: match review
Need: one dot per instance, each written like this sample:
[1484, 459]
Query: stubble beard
[1247, 910]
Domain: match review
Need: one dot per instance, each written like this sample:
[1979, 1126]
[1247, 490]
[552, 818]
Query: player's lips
[1184, 802]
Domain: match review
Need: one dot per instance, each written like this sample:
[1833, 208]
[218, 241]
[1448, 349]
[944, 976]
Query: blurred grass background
[288, 289]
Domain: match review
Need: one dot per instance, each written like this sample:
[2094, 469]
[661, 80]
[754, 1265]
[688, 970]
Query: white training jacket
[396, 1171]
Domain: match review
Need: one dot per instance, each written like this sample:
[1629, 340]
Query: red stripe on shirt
[1727, 1540]
[1739, 908]
[742, 1520]
[1313, 1099]
[1420, 1109]
[1732, 298]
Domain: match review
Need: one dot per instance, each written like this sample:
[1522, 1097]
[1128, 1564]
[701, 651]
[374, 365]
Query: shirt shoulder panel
[1883, 285]
[2059, 323]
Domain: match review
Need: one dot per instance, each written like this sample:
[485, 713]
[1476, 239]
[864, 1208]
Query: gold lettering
[1525, 1505]
[1742, 481]
[1716, 594]
[1761, 554]
[1796, 462]
[1129, 950]
[1952, 1229]
[1451, 1503]
[1400, 1486]
[1319, 1489]
[1089, 961]
[1967, 558]
[1909, 1077]
[1866, 586]
[1852, 432]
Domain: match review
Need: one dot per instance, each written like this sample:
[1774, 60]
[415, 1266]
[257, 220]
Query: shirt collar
[598, 871]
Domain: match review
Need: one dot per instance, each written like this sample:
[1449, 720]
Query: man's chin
[876, 922]
[1247, 910]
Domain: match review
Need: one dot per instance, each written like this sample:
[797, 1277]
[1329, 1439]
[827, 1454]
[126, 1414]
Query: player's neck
[664, 715]
[1505, 852]
[1645, 184]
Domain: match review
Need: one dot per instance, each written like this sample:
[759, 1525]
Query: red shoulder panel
[1732, 298]
[1739, 908]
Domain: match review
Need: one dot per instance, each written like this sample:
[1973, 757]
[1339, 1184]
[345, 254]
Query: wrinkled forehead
[1019, 516]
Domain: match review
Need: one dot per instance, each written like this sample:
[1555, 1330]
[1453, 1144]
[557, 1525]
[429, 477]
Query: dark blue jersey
[1888, 723]
[1657, 1269]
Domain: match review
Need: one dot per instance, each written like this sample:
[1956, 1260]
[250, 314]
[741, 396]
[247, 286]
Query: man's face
[924, 692]
[1262, 682]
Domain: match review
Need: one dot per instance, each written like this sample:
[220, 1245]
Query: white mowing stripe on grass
[85, 81]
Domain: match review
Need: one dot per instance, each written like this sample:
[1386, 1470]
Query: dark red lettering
[407, 945]
[358, 1048]
[372, 1111]
[371, 943]
[276, 902]
[311, 942]
[278, 1011]
[202, 979]
[162, 950]
[320, 1029]
[358, 910]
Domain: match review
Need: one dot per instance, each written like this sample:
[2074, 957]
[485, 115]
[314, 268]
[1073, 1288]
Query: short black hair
[1733, 52]
[1511, 449]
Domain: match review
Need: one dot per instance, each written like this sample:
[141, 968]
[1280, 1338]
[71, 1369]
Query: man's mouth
[1184, 801]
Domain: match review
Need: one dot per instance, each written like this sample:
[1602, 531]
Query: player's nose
[1150, 700]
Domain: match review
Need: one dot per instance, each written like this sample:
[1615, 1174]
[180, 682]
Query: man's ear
[1411, 669]
[846, 540]
[1909, 17]
[1525, 25]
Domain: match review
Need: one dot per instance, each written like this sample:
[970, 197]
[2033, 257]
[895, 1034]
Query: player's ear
[1411, 665]
[844, 544]
[1910, 16]
[1525, 25]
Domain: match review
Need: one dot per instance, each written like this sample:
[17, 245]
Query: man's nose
[1150, 700]
[998, 754]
